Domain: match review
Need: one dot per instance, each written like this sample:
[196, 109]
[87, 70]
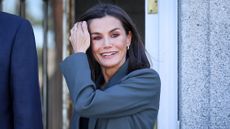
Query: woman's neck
[108, 73]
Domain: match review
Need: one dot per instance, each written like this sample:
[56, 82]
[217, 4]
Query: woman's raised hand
[79, 37]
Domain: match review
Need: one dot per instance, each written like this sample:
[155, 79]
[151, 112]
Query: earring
[128, 47]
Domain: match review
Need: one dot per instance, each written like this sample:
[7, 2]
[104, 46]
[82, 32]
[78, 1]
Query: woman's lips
[108, 54]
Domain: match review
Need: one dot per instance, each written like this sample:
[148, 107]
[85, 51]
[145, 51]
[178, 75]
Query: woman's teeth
[108, 53]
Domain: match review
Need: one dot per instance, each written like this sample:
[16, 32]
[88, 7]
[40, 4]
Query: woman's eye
[114, 35]
[96, 38]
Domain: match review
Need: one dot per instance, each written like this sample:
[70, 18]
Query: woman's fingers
[79, 37]
[80, 27]
[85, 28]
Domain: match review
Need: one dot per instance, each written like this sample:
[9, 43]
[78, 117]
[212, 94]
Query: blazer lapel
[116, 78]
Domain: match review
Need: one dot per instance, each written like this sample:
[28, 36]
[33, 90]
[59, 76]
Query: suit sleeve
[24, 80]
[139, 91]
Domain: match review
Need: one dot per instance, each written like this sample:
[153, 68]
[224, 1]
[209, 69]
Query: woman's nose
[107, 42]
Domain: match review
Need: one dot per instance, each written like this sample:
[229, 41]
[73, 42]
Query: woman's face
[109, 42]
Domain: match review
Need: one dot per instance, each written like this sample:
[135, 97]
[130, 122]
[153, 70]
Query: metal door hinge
[152, 6]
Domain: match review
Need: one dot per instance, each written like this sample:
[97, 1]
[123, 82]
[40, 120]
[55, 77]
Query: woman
[109, 77]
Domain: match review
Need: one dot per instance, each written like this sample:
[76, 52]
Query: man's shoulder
[10, 23]
[8, 16]
[9, 20]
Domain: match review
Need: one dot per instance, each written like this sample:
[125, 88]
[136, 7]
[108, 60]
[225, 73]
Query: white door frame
[162, 44]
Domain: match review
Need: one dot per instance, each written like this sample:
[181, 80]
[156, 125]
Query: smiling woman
[109, 77]
[109, 44]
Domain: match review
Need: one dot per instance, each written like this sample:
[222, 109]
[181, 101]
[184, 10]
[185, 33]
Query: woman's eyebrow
[94, 33]
[97, 33]
[114, 29]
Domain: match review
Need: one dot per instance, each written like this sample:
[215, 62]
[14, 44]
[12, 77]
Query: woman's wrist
[79, 51]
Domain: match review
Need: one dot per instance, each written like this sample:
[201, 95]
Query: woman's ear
[129, 38]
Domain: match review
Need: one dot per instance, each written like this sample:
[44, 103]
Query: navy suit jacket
[20, 106]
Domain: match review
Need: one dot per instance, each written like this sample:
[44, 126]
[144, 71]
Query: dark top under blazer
[20, 106]
[129, 101]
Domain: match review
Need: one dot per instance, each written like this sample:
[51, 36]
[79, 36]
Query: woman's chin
[108, 64]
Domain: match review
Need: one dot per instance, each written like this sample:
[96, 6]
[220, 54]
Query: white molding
[162, 45]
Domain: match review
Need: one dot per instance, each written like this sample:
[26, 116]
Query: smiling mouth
[108, 54]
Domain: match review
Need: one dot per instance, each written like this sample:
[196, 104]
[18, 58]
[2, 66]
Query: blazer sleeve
[138, 91]
[24, 80]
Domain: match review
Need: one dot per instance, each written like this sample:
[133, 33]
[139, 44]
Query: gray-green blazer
[129, 101]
